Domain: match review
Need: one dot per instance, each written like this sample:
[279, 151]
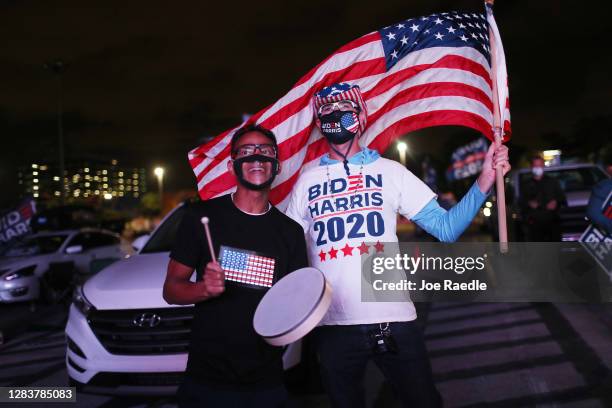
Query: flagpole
[497, 132]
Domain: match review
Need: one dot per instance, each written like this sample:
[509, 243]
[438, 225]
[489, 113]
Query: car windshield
[36, 245]
[580, 179]
[163, 238]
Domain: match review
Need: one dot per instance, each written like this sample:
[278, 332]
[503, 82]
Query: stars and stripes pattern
[350, 121]
[247, 267]
[423, 72]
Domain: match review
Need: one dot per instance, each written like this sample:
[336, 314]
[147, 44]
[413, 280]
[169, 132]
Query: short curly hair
[253, 128]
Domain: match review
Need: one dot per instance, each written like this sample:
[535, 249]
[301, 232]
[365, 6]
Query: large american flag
[422, 72]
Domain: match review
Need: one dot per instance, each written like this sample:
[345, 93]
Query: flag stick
[204, 221]
[497, 131]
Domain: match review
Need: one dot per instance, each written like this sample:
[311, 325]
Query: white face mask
[537, 171]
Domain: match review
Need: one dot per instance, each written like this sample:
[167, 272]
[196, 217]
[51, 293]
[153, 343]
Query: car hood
[12, 263]
[132, 283]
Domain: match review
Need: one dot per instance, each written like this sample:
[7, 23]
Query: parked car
[122, 336]
[45, 263]
[576, 181]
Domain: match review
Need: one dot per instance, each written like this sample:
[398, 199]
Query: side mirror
[74, 249]
[140, 242]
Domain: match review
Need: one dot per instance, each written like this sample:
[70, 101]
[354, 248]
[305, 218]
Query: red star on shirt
[363, 248]
[322, 256]
[333, 253]
[348, 250]
[379, 247]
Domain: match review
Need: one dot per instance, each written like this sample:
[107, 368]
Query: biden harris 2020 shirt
[346, 216]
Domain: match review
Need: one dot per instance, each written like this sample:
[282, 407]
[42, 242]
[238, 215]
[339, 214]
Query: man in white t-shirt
[347, 206]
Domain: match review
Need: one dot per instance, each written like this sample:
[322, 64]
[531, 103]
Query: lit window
[103, 171]
[86, 184]
[35, 187]
[121, 187]
[43, 168]
[96, 178]
[136, 195]
[114, 162]
[35, 195]
[35, 180]
[35, 166]
[135, 175]
[104, 178]
[120, 181]
[104, 185]
[136, 188]
[114, 194]
[120, 174]
[86, 170]
[85, 195]
[56, 178]
[129, 188]
[135, 182]
[57, 193]
[35, 173]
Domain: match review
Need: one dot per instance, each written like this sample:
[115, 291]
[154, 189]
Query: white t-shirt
[321, 203]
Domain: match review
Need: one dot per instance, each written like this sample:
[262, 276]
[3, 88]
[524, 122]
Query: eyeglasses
[340, 105]
[249, 149]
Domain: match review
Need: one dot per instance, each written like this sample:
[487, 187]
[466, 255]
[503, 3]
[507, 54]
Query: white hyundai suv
[122, 336]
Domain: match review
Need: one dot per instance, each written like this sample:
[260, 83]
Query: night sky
[146, 81]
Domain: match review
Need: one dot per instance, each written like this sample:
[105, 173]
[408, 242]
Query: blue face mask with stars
[339, 127]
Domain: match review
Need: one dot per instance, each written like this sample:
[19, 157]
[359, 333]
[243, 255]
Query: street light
[159, 173]
[402, 148]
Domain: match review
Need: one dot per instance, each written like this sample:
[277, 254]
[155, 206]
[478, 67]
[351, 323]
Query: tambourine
[293, 307]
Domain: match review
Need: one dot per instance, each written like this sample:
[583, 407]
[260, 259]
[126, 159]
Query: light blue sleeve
[447, 226]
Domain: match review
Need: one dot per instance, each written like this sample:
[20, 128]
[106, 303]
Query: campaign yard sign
[16, 222]
[467, 160]
[598, 243]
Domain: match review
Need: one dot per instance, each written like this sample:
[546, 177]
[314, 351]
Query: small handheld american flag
[247, 267]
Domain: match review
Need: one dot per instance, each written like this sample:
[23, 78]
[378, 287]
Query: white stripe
[425, 105]
[430, 76]
[337, 62]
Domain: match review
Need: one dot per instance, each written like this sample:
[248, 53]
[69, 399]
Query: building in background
[86, 179]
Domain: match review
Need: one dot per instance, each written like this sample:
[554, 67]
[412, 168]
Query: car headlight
[20, 273]
[80, 301]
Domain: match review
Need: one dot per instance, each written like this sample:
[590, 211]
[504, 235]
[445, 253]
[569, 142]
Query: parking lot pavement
[521, 354]
[482, 354]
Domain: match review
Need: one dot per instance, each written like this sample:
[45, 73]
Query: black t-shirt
[224, 348]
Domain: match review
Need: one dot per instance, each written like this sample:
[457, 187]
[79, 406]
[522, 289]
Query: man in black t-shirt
[229, 364]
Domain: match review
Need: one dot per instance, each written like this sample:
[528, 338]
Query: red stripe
[432, 90]
[449, 61]
[368, 38]
[342, 194]
[347, 212]
[429, 119]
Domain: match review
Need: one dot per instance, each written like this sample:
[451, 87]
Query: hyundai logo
[147, 320]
